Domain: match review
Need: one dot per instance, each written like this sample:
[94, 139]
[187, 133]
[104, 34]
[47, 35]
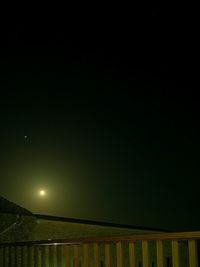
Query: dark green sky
[112, 128]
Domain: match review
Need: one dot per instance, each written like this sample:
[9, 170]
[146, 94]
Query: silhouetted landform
[19, 224]
[7, 206]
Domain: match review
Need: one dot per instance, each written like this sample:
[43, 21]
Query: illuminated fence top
[167, 249]
[130, 238]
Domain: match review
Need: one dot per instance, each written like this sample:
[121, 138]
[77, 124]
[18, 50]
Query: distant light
[25, 136]
[42, 193]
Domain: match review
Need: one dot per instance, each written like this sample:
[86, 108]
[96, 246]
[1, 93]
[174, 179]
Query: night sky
[103, 114]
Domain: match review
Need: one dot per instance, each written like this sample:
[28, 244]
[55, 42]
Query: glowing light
[42, 193]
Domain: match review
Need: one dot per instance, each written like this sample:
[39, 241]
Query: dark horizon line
[100, 223]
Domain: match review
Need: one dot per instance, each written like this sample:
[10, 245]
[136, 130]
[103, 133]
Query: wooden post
[145, 253]
[96, 254]
[160, 257]
[85, 255]
[132, 258]
[192, 247]
[119, 254]
[175, 254]
[107, 255]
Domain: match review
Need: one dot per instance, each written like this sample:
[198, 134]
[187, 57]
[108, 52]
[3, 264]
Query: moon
[42, 192]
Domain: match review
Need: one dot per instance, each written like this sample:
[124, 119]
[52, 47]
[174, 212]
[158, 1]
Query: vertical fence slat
[96, 254]
[76, 255]
[192, 247]
[1, 256]
[46, 256]
[7, 257]
[24, 256]
[39, 257]
[13, 263]
[54, 254]
[175, 254]
[18, 256]
[145, 253]
[31, 256]
[10, 256]
[119, 254]
[85, 255]
[132, 258]
[159, 254]
[4, 256]
[107, 255]
[63, 260]
[67, 255]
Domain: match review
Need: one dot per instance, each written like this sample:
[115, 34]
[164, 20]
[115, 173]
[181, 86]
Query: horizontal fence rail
[150, 250]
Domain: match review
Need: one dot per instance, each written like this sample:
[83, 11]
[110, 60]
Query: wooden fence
[149, 250]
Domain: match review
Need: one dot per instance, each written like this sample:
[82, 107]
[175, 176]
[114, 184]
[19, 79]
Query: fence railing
[149, 250]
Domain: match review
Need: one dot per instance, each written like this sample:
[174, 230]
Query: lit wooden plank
[160, 256]
[76, 255]
[145, 253]
[119, 254]
[107, 255]
[96, 254]
[67, 255]
[192, 247]
[132, 257]
[175, 254]
[85, 255]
